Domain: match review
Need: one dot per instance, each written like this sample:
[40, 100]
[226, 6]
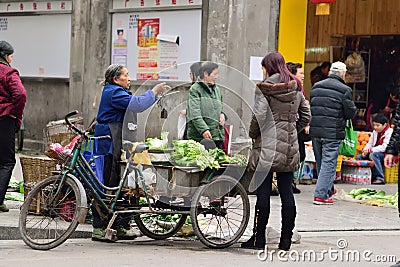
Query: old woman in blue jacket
[115, 101]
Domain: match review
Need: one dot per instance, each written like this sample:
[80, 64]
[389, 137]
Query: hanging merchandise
[355, 68]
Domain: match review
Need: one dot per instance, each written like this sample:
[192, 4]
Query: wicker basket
[35, 169]
[58, 132]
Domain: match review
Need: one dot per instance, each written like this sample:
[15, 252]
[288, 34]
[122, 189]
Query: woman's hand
[388, 161]
[222, 119]
[160, 88]
[207, 135]
[307, 129]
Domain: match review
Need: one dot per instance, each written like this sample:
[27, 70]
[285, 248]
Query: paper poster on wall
[147, 50]
[183, 23]
[168, 53]
[256, 73]
[120, 48]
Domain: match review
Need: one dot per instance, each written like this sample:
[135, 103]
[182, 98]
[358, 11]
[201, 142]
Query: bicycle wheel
[45, 224]
[220, 212]
[161, 225]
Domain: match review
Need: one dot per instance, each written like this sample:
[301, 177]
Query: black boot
[295, 189]
[288, 218]
[257, 240]
[251, 243]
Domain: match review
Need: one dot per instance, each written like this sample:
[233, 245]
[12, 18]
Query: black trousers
[284, 180]
[8, 126]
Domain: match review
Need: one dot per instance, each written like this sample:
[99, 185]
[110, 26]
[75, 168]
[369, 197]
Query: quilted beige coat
[280, 112]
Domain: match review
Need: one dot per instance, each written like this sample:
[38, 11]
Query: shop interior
[373, 69]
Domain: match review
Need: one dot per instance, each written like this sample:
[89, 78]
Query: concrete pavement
[353, 221]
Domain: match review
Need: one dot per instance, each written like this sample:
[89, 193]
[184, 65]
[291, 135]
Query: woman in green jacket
[206, 119]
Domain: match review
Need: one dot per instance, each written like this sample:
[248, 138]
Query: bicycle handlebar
[73, 127]
[101, 137]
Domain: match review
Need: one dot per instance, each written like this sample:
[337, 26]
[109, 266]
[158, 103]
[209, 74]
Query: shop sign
[137, 4]
[48, 6]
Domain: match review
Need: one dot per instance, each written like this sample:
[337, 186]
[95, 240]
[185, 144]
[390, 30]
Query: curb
[12, 233]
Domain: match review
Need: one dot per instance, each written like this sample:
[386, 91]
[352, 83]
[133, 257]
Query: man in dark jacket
[331, 106]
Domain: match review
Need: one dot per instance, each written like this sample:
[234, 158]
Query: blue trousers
[377, 170]
[326, 152]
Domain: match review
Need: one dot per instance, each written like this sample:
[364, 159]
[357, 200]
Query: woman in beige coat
[280, 112]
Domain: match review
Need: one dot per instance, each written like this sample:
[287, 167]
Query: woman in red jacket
[12, 104]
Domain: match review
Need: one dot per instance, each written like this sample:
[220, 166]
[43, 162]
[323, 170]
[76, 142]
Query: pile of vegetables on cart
[373, 197]
[189, 153]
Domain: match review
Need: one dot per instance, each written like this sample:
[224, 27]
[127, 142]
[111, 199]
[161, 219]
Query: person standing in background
[320, 73]
[205, 115]
[194, 74]
[304, 135]
[331, 106]
[12, 104]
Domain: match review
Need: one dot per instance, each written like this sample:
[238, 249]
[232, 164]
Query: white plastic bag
[148, 175]
[181, 126]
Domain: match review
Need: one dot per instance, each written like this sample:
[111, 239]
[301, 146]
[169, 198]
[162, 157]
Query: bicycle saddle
[134, 147]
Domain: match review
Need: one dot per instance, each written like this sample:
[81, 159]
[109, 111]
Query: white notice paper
[255, 69]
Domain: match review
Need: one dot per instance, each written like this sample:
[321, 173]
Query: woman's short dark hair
[293, 67]
[195, 69]
[113, 71]
[5, 49]
[380, 118]
[207, 67]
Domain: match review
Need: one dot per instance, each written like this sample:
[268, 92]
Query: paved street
[372, 233]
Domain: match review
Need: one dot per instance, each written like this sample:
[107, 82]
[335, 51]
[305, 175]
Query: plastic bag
[148, 175]
[181, 126]
[96, 162]
[142, 158]
[348, 146]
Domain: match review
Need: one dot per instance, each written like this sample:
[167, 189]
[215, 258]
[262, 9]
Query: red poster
[147, 52]
[148, 30]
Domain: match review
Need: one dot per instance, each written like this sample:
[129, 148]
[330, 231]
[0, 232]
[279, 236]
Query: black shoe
[285, 244]
[251, 244]
[295, 189]
[274, 192]
[3, 208]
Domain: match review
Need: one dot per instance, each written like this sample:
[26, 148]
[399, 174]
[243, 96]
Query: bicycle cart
[216, 202]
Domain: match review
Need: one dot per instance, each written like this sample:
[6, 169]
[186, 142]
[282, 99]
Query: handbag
[348, 146]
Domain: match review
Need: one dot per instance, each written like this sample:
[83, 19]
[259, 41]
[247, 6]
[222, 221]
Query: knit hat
[338, 66]
[5, 49]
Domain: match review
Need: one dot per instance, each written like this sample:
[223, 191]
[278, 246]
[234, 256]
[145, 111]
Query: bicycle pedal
[111, 234]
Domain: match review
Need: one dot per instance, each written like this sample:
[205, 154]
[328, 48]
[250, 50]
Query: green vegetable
[158, 143]
[14, 198]
[191, 153]
[372, 197]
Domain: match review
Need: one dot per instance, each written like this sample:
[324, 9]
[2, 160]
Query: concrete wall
[46, 101]
[236, 30]
[232, 31]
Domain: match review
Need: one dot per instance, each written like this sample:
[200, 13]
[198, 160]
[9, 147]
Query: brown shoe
[3, 208]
